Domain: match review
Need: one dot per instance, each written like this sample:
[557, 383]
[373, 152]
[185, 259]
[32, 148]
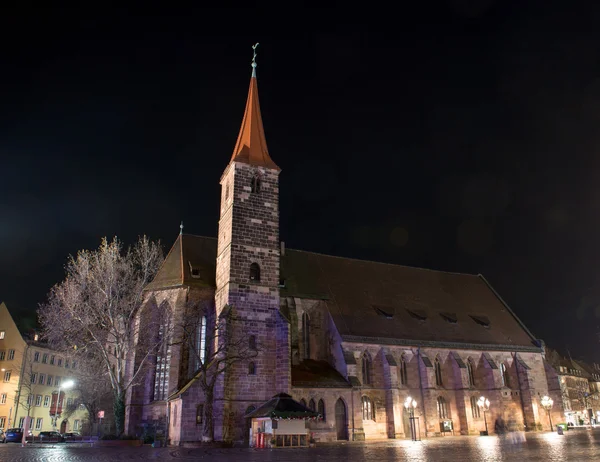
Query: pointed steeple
[251, 145]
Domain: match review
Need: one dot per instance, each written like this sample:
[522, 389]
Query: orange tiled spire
[251, 145]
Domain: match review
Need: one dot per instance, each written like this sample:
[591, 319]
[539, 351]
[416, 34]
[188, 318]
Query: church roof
[251, 145]
[374, 302]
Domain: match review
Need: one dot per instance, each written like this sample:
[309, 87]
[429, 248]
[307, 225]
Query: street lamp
[63, 386]
[547, 403]
[484, 405]
[410, 405]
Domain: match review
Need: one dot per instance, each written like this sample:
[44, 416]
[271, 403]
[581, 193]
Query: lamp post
[484, 405]
[547, 403]
[63, 386]
[410, 405]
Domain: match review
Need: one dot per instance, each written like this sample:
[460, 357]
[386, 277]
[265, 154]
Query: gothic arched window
[471, 372]
[200, 346]
[366, 369]
[255, 185]
[403, 374]
[442, 406]
[251, 369]
[321, 409]
[312, 405]
[254, 272]
[368, 410]
[199, 414]
[306, 335]
[475, 408]
[504, 375]
[303, 402]
[438, 372]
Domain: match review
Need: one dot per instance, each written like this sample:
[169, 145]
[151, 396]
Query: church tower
[247, 269]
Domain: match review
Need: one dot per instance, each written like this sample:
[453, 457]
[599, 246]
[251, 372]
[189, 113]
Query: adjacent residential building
[352, 339]
[35, 383]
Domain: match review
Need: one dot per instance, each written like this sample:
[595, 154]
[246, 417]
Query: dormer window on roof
[194, 271]
[481, 320]
[449, 317]
[418, 314]
[384, 311]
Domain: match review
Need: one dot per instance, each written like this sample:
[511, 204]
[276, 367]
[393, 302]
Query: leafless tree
[92, 313]
[215, 345]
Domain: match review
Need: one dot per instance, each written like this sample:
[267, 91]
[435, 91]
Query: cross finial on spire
[181, 228]
[254, 59]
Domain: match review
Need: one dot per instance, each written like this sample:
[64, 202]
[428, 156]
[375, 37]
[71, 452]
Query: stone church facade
[351, 339]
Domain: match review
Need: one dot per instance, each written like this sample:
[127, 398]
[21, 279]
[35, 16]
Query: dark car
[72, 436]
[13, 435]
[51, 437]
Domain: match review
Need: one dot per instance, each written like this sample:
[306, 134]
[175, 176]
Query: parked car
[52, 436]
[72, 436]
[14, 435]
[2, 437]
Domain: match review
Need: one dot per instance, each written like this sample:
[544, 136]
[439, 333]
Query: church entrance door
[341, 420]
[63, 426]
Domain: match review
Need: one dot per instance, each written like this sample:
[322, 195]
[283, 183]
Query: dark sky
[460, 135]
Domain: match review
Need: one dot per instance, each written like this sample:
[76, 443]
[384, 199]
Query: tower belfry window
[255, 185]
[255, 272]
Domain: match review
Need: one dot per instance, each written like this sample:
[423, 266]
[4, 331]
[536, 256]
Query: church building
[351, 339]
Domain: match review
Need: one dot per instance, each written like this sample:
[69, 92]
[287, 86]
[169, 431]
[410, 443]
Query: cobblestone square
[580, 445]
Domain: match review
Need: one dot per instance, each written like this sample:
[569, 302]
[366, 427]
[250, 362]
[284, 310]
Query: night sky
[460, 136]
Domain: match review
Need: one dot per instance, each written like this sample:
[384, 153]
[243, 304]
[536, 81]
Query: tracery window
[438, 373]
[442, 406]
[368, 409]
[504, 375]
[471, 372]
[366, 369]
[475, 408]
[321, 409]
[162, 365]
[403, 374]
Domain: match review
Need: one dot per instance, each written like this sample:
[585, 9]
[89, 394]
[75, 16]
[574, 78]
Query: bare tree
[92, 313]
[215, 345]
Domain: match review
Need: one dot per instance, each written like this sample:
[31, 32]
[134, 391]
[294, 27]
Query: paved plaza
[580, 445]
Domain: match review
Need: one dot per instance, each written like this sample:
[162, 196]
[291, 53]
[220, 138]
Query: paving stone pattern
[582, 445]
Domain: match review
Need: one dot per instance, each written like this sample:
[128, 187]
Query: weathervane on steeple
[254, 59]
[181, 228]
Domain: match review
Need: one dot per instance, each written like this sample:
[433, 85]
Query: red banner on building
[56, 406]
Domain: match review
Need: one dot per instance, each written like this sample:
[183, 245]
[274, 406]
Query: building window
[366, 369]
[21, 422]
[67, 363]
[438, 373]
[2, 355]
[199, 414]
[312, 405]
[306, 335]
[3, 398]
[255, 272]
[45, 358]
[11, 355]
[475, 408]
[161, 366]
[38, 400]
[69, 402]
[251, 369]
[57, 382]
[442, 406]
[200, 342]
[33, 378]
[252, 342]
[403, 374]
[255, 185]
[227, 191]
[52, 358]
[2, 422]
[321, 409]
[42, 379]
[30, 400]
[7, 376]
[368, 409]
[470, 372]
[59, 362]
[38, 423]
[74, 365]
[1, 334]
[36, 357]
[46, 401]
[504, 375]
[76, 425]
[49, 381]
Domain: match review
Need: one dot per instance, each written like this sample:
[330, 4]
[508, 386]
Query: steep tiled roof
[376, 302]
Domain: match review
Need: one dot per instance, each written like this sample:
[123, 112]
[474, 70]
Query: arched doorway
[341, 420]
[247, 425]
[63, 426]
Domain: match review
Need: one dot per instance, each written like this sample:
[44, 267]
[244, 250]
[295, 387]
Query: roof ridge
[383, 263]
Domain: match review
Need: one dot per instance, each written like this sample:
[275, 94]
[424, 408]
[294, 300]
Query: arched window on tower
[504, 375]
[255, 272]
[438, 373]
[251, 369]
[321, 409]
[471, 372]
[255, 186]
[306, 335]
[366, 369]
[403, 374]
